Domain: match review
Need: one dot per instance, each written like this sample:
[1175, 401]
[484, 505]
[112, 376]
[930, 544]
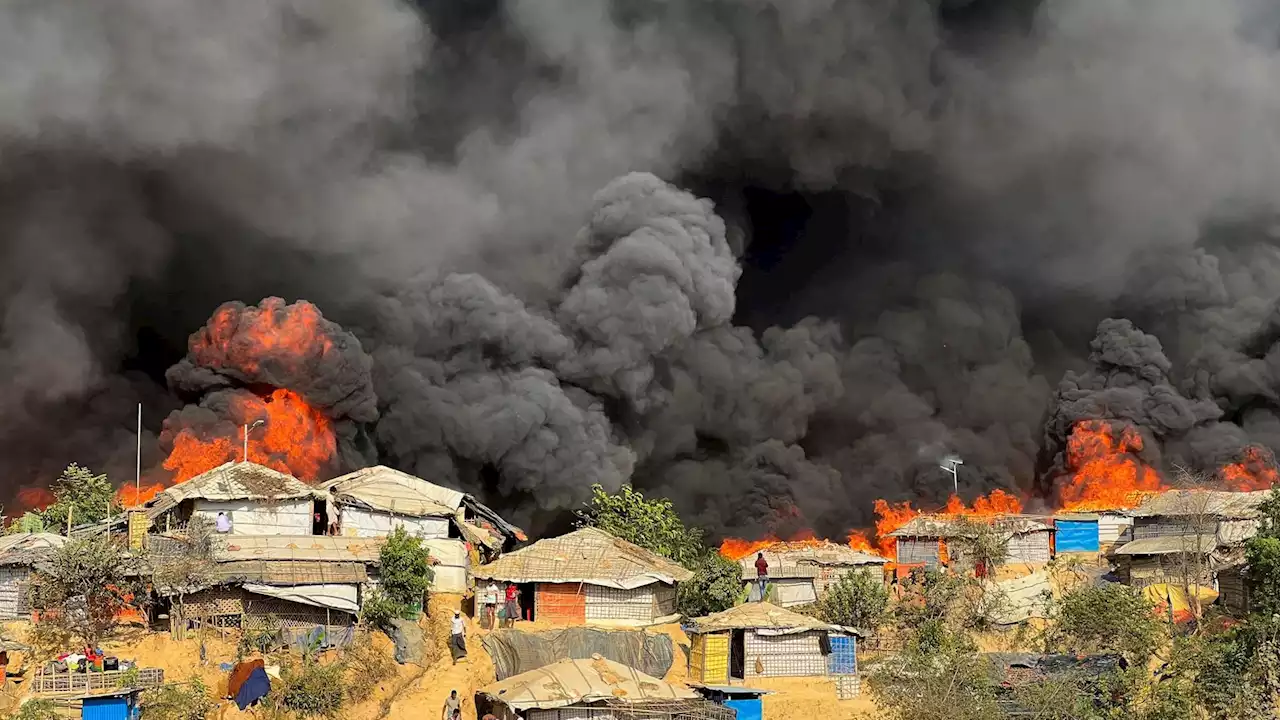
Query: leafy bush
[86, 585]
[83, 496]
[366, 666]
[378, 610]
[857, 600]
[188, 701]
[404, 570]
[1108, 618]
[36, 710]
[716, 585]
[311, 690]
[261, 638]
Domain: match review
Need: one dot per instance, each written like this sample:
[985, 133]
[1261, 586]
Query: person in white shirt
[457, 637]
[490, 604]
[223, 523]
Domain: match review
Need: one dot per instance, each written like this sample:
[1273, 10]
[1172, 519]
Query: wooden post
[70, 513]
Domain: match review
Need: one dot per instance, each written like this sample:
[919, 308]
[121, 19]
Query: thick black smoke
[923, 212]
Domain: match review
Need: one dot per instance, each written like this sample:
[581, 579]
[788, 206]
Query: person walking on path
[762, 573]
[457, 637]
[452, 707]
[511, 611]
[489, 604]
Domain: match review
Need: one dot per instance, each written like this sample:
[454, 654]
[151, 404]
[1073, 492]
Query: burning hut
[763, 640]
[19, 553]
[594, 688]
[256, 499]
[591, 576]
[1188, 536]
[926, 539]
[799, 572]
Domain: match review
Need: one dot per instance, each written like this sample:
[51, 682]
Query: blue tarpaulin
[254, 689]
[1077, 535]
[748, 709]
[843, 659]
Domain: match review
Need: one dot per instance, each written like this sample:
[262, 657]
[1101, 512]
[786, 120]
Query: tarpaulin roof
[944, 526]
[515, 651]
[1214, 503]
[1169, 544]
[588, 555]
[803, 559]
[28, 548]
[762, 616]
[331, 596]
[388, 490]
[231, 481]
[570, 682]
[300, 547]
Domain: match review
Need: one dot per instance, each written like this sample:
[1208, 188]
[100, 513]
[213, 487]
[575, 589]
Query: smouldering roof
[945, 526]
[231, 481]
[1212, 503]
[588, 555]
[571, 682]
[803, 559]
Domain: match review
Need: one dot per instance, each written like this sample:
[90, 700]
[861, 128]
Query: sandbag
[410, 643]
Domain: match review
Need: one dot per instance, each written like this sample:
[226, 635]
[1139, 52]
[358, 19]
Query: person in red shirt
[762, 573]
[512, 611]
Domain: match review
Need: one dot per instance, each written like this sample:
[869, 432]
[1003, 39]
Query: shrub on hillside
[36, 710]
[857, 600]
[187, 701]
[366, 666]
[310, 690]
[1108, 618]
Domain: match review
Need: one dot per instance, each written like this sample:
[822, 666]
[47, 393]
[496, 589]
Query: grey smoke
[463, 187]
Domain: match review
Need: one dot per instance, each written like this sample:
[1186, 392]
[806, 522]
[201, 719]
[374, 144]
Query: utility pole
[137, 487]
[247, 428]
[952, 465]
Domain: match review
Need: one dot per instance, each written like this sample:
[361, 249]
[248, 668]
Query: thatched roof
[231, 481]
[29, 548]
[761, 616]
[589, 556]
[1211, 503]
[804, 559]
[949, 526]
[320, 548]
[573, 682]
[388, 490]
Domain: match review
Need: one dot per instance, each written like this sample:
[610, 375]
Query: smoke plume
[774, 259]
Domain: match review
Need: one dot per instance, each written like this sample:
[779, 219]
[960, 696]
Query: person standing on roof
[223, 523]
[762, 573]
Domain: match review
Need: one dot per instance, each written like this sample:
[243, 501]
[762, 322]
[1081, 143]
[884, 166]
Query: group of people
[491, 596]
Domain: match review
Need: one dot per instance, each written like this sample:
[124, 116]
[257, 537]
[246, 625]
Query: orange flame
[129, 496]
[1257, 471]
[890, 517]
[34, 498]
[288, 335]
[296, 439]
[1107, 473]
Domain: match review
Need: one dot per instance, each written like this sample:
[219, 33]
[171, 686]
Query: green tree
[404, 569]
[857, 600]
[1262, 556]
[30, 522]
[85, 586]
[1108, 618]
[948, 684]
[652, 523]
[82, 496]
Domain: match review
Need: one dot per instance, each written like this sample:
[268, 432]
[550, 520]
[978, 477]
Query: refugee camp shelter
[1235, 591]
[799, 572]
[1183, 535]
[1115, 528]
[746, 702]
[590, 689]
[115, 705]
[257, 499]
[763, 640]
[1076, 533]
[591, 576]
[933, 540]
[19, 553]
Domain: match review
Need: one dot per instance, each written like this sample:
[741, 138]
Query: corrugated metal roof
[231, 481]
[755, 615]
[302, 547]
[1217, 503]
[588, 555]
[944, 526]
[570, 682]
[1169, 545]
[803, 559]
[389, 490]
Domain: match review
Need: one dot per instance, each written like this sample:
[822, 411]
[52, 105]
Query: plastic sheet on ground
[1168, 597]
[410, 644]
[1020, 599]
[516, 651]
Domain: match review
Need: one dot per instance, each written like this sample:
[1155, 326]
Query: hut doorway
[318, 524]
[738, 654]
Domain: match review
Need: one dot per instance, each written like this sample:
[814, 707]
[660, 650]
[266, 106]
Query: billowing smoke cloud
[925, 211]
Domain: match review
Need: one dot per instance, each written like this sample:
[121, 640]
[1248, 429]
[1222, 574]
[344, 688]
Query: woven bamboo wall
[215, 601]
[606, 603]
[918, 550]
[1144, 528]
[799, 655]
[1032, 547]
[560, 602]
[848, 686]
[13, 593]
[1233, 590]
[709, 658]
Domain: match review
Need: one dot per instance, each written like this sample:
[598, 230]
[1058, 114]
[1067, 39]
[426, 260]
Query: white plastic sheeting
[261, 517]
[1021, 599]
[452, 571]
[358, 522]
[792, 591]
[334, 597]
